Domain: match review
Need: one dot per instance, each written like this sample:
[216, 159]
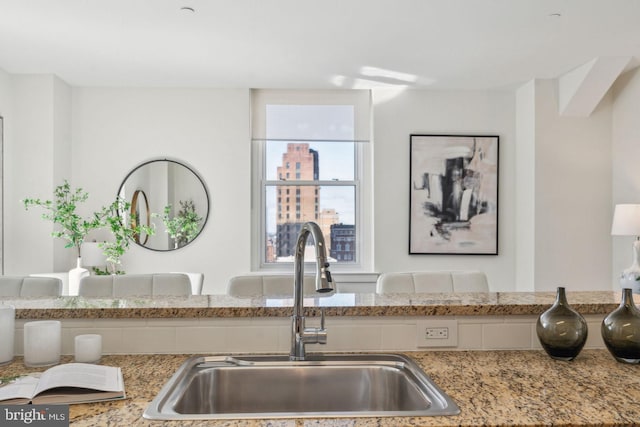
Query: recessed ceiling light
[187, 9]
[555, 15]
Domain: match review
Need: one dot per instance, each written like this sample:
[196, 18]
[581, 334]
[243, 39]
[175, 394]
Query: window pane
[331, 207]
[309, 143]
[316, 122]
[328, 161]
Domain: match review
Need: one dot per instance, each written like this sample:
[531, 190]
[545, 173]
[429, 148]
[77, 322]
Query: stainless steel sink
[323, 385]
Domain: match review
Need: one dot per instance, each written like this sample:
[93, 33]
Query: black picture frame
[453, 203]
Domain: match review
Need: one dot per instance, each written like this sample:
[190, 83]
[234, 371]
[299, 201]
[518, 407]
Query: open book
[68, 383]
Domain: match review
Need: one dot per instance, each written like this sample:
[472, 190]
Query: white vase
[7, 331]
[75, 274]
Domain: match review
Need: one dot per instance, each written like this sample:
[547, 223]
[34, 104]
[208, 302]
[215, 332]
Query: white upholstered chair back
[432, 282]
[197, 281]
[21, 286]
[131, 285]
[469, 281]
[272, 285]
[64, 278]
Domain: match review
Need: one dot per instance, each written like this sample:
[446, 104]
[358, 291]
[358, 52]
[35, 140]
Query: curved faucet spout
[299, 334]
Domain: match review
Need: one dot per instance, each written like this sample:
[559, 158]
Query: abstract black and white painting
[453, 194]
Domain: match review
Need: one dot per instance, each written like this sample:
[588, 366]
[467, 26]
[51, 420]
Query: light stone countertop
[492, 388]
[340, 304]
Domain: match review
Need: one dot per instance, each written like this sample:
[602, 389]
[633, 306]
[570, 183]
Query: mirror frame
[139, 196]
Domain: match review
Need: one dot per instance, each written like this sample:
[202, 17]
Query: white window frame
[362, 183]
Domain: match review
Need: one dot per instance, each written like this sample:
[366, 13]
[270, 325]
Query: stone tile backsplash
[255, 335]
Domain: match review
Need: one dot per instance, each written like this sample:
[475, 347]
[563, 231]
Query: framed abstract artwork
[453, 194]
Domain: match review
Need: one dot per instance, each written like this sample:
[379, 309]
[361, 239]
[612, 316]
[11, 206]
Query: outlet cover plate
[437, 333]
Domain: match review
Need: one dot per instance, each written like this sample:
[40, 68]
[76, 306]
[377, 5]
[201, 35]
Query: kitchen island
[492, 388]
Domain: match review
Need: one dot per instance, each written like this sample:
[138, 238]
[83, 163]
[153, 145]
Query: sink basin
[271, 386]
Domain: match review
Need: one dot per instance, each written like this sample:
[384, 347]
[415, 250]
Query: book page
[22, 388]
[82, 375]
[71, 395]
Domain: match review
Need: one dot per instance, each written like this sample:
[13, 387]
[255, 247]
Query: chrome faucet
[299, 334]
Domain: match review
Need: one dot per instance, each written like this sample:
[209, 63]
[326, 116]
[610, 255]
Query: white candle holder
[88, 348]
[42, 342]
[7, 333]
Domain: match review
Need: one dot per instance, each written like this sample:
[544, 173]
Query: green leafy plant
[106, 271]
[113, 217]
[184, 226]
[62, 212]
[74, 229]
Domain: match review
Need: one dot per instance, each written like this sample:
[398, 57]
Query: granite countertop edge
[223, 306]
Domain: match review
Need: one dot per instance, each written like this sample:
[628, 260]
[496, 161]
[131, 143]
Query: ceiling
[443, 44]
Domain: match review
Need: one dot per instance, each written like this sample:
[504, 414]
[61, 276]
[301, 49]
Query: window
[323, 140]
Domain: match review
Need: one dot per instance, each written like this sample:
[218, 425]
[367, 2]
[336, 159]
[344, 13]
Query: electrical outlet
[437, 333]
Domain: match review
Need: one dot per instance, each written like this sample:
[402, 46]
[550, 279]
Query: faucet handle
[316, 335]
[321, 332]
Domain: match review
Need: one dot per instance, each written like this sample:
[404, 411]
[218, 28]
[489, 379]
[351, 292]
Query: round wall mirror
[168, 196]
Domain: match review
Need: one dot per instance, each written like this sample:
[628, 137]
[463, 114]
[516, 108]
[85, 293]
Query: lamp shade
[626, 220]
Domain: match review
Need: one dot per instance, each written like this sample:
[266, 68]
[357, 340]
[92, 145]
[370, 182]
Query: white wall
[112, 130]
[28, 161]
[37, 157]
[5, 95]
[626, 155]
[116, 129]
[5, 92]
[63, 157]
[439, 112]
[525, 233]
[572, 195]
[5, 107]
